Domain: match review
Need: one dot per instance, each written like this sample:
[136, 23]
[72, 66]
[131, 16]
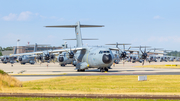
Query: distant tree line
[174, 53]
[5, 49]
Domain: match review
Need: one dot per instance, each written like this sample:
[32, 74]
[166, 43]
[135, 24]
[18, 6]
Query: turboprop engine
[20, 58]
[61, 59]
[71, 54]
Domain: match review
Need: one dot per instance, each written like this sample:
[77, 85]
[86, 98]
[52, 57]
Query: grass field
[75, 99]
[156, 84]
[8, 81]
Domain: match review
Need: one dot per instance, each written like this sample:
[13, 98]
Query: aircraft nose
[107, 58]
[20, 59]
[61, 59]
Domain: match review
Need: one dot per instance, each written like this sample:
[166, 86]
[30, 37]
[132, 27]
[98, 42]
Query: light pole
[18, 45]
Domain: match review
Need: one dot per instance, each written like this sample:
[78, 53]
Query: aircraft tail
[77, 31]
[35, 47]
[15, 50]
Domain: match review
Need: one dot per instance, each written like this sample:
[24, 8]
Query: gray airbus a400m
[153, 57]
[120, 54]
[87, 57]
[43, 56]
[9, 59]
[68, 57]
[142, 55]
[28, 58]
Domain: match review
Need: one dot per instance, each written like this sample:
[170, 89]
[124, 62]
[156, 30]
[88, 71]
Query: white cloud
[57, 18]
[157, 17]
[24, 16]
[27, 15]
[10, 17]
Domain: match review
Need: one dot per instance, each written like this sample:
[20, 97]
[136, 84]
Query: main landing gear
[81, 70]
[103, 69]
[63, 65]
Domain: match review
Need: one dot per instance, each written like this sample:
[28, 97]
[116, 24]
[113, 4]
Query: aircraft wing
[67, 49]
[132, 50]
[50, 51]
[157, 53]
[31, 53]
[116, 49]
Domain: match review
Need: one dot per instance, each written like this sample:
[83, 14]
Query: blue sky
[153, 23]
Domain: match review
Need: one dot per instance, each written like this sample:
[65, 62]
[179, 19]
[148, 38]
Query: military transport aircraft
[153, 57]
[67, 57]
[9, 59]
[85, 57]
[142, 55]
[28, 58]
[121, 54]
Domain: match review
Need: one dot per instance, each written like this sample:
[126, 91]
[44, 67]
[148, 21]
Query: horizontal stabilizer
[91, 25]
[132, 50]
[141, 47]
[120, 44]
[156, 49]
[82, 39]
[65, 26]
[156, 53]
[72, 26]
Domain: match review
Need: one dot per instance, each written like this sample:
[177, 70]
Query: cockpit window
[100, 52]
[103, 52]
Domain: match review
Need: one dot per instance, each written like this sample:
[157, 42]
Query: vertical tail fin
[15, 50]
[78, 35]
[77, 31]
[35, 47]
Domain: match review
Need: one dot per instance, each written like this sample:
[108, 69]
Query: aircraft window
[100, 52]
[106, 52]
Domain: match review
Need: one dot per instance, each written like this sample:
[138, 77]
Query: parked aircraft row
[83, 57]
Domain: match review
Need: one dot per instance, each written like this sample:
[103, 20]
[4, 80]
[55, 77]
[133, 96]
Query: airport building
[30, 48]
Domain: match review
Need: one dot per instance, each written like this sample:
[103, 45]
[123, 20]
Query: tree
[1, 49]
[7, 49]
[0, 53]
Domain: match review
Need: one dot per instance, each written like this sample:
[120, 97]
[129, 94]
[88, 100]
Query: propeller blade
[129, 48]
[124, 47]
[143, 62]
[145, 50]
[140, 49]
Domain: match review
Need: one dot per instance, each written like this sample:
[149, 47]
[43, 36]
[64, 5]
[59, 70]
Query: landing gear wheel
[106, 69]
[80, 70]
[102, 70]
[62, 65]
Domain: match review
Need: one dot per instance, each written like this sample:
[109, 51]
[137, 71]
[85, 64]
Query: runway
[37, 71]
